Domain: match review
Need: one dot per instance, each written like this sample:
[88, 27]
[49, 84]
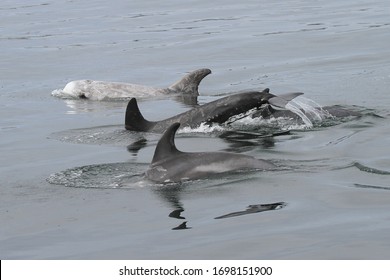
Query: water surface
[68, 199]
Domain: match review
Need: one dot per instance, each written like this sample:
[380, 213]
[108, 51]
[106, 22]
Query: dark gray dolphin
[171, 165]
[218, 111]
[103, 90]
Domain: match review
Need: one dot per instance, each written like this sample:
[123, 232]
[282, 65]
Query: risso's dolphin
[218, 111]
[171, 165]
[101, 90]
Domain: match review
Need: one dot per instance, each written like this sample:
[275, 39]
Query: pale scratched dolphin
[169, 165]
[103, 90]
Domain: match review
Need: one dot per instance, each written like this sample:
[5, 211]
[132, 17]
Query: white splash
[297, 110]
[203, 128]
[311, 108]
[308, 110]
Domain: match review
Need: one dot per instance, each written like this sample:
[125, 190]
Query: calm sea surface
[69, 173]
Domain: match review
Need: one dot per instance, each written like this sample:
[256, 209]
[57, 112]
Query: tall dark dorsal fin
[166, 145]
[189, 84]
[134, 120]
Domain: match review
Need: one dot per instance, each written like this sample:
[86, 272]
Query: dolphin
[169, 165]
[102, 90]
[218, 111]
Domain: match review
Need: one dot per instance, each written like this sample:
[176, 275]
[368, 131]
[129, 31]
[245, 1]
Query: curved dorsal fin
[290, 96]
[134, 120]
[189, 83]
[280, 101]
[166, 145]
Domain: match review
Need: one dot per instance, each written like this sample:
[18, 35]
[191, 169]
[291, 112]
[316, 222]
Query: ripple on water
[373, 187]
[368, 169]
[100, 135]
[102, 176]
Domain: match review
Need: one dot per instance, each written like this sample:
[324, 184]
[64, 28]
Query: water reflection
[172, 194]
[78, 106]
[136, 146]
[256, 208]
[176, 214]
[83, 105]
[249, 140]
[181, 226]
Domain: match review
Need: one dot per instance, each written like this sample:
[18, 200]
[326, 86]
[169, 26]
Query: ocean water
[71, 177]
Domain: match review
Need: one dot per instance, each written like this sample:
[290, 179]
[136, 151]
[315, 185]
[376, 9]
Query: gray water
[71, 184]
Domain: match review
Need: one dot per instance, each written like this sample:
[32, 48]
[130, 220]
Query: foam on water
[202, 128]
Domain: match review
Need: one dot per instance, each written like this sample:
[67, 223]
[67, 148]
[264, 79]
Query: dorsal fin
[280, 101]
[189, 84]
[134, 120]
[166, 145]
[290, 96]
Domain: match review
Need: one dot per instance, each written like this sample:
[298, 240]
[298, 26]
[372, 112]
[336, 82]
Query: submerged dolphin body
[171, 165]
[218, 111]
[101, 90]
[336, 111]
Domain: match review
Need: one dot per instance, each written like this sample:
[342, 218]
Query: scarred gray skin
[103, 90]
[336, 111]
[218, 111]
[170, 165]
